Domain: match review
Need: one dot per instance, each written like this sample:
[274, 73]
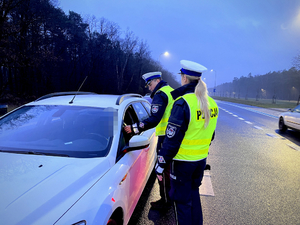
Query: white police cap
[192, 68]
[150, 76]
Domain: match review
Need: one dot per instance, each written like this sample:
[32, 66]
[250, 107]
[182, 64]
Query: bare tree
[111, 29]
[128, 45]
[141, 55]
[296, 61]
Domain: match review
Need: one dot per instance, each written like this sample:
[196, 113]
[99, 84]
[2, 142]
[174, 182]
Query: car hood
[37, 187]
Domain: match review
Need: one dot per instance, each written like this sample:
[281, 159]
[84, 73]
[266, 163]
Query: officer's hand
[159, 172]
[128, 129]
[159, 177]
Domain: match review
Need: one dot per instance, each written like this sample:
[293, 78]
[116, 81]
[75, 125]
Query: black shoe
[160, 205]
[207, 167]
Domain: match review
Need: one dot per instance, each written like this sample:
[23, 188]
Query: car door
[142, 110]
[293, 118]
[134, 162]
[141, 166]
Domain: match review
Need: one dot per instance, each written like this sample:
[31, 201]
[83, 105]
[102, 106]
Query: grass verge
[264, 103]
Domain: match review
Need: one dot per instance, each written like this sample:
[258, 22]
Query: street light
[215, 81]
[164, 53]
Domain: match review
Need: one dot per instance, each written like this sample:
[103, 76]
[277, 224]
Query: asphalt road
[254, 173]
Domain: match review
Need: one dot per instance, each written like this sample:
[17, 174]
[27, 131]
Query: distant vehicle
[290, 119]
[64, 159]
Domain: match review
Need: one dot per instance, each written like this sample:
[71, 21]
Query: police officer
[189, 133]
[160, 111]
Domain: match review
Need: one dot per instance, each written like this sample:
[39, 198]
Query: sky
[231, 38]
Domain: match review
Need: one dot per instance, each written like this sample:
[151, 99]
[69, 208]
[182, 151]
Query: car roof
[86, 99]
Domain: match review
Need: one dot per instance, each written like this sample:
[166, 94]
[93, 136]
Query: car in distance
[65, 159]
[290, 119]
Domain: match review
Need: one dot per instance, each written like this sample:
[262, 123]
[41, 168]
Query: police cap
[192, 68]
[150, 76]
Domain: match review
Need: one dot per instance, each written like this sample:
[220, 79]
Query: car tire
[281, 125]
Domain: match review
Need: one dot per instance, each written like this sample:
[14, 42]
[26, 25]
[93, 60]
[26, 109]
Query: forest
[283, 85]
[44, 50]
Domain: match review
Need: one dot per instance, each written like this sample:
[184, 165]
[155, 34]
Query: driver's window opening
[129, 118]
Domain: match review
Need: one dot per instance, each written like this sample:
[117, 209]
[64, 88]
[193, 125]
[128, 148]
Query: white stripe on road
[259, 128]
[295, 147]
[248, 122]
[206, 188]
[272, 135]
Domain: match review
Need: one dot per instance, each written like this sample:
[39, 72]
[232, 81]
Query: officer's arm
[158, 107]
[177, 126]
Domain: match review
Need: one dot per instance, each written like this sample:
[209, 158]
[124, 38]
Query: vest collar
[188, 88]
[161, 84]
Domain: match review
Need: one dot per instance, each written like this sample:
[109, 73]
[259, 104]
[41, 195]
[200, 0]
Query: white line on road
[272, 135]
[296, 147]
[248, 122]
[241, 118]
[259, 128]
[206, 188]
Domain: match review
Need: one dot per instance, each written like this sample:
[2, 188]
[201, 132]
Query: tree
[296, 61]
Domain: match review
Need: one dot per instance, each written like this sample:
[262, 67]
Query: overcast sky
[231, 37]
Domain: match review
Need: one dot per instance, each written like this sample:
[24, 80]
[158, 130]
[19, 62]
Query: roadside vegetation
[264, 103]
[45, 50]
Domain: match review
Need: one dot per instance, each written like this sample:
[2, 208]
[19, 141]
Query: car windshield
[297, 109]
[58, 130]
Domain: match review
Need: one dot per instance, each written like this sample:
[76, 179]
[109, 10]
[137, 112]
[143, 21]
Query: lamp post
[215, 81]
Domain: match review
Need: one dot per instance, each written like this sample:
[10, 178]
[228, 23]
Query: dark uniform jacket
[180, 117]
[158, 106]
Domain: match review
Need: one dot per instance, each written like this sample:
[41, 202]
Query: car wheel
[282, 126]
[111, 222]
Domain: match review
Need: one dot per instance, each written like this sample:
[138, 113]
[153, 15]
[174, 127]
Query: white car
[65, 159]
[290, 119]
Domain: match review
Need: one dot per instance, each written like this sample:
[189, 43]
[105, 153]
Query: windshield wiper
[35, 153]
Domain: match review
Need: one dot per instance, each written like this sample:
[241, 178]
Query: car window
[147, 107]
[58, 130]
[129, 118]
[297, 109]
[140, 111]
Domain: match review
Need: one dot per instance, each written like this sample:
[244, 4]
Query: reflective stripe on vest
[160, 129]
[197, 138]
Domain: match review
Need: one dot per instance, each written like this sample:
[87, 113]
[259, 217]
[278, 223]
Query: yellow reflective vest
[196, 141]
[160, 129]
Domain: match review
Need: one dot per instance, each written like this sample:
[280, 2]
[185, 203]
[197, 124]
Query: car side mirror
[137, 142]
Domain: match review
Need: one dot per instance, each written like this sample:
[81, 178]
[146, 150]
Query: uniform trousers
[186, 179]
[164, 185]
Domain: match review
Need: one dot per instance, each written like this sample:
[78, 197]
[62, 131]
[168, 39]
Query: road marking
[248, 122]
[295, 147]
[272, 135]
[241, 118]
[259, 128]
[235, 115]
[250, 109]
[206, 188]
